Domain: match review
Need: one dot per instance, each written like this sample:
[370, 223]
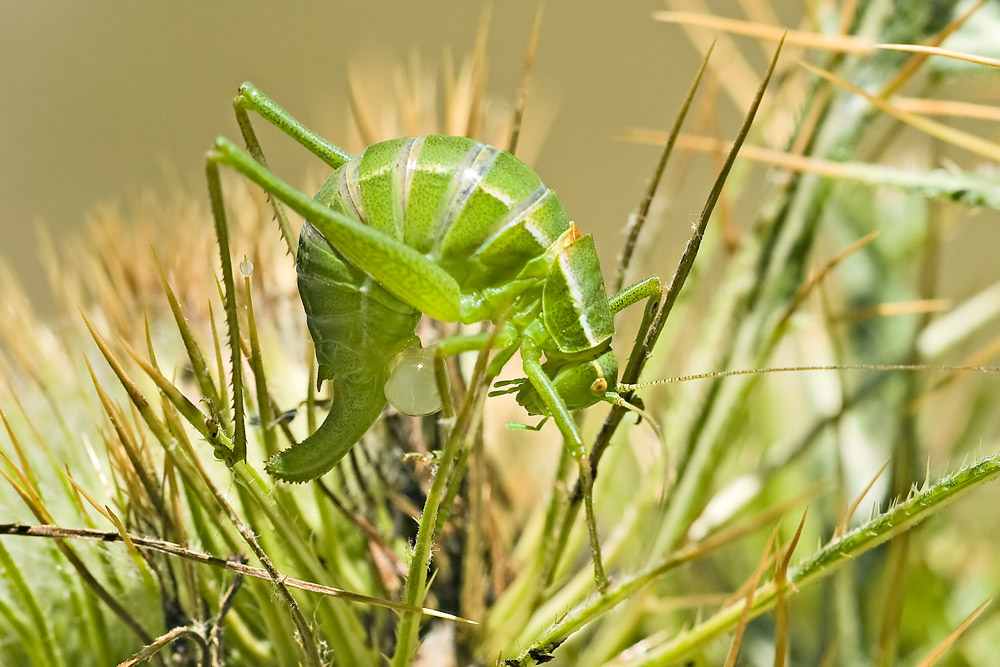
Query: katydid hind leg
[232, 320]
[250, 98]
[404, 272]
[574, 445]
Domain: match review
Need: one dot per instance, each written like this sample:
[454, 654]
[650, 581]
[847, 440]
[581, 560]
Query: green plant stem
[310, 652]
[406, 634]
[900, 518]
[416, 582]
[876, 531]
[653, 323]
[569, 623]
[349, 633]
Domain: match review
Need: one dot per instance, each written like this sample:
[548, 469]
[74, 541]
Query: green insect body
[446, 227]
[498, 232]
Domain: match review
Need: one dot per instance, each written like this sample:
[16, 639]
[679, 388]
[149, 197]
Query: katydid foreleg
[647, 288]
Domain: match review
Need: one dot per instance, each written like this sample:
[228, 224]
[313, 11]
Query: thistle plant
[749, 514]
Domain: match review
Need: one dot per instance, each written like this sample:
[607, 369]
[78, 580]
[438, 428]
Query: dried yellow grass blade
[817, 277]
[842, 526]
[955, 108]
[970, 187]
[782, 634]
[940, 649]
[970, 142]
[751, 586]
[811, 40]
[897, 308]
[738, 75]
[60, 534]
[802, 38]
[938, 51]
[29, 475]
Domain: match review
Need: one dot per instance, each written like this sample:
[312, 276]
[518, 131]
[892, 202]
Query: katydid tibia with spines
[448, 227]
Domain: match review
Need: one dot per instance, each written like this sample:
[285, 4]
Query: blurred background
[102, 101]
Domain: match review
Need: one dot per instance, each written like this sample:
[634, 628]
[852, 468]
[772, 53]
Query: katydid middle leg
[506, 341]
[531, 358]
[649, 289]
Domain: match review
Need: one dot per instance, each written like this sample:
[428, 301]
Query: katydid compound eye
[600, 386]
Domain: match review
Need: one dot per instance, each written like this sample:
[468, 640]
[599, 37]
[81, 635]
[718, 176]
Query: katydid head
[580, 383]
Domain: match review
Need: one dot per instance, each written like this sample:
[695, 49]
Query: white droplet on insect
[411, 387]
[246, 267]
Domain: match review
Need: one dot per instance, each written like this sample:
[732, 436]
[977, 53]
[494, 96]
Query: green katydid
[448, 227]
[462, 232]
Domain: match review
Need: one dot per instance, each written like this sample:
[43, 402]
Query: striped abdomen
[474, 210]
